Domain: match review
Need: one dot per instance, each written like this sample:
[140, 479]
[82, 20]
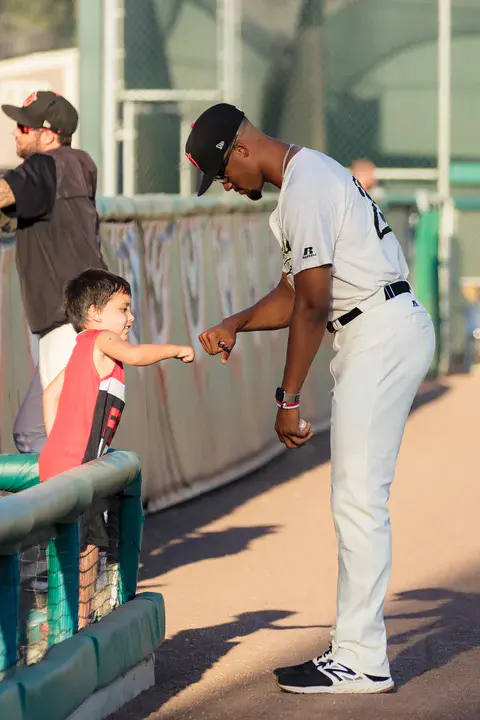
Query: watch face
[279, 394]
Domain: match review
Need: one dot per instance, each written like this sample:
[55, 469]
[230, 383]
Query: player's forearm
[272, 312]
[150, 354]
[307, 327]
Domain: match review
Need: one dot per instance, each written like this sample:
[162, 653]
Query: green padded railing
[18, 472]
[60, 501]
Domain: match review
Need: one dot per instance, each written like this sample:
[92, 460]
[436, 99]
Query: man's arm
[307, 327]
[6, 195]
[7, 224]
[307, 324]
[272, 312]
[51, 397]
[30, 189]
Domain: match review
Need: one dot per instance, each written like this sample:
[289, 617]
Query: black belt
[391, 291]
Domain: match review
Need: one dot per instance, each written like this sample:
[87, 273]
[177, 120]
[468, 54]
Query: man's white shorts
[54, 350]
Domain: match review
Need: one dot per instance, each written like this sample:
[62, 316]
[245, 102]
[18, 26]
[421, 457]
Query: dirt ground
[249, 578]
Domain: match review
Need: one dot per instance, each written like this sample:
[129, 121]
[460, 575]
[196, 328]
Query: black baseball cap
[211, 136]
[45, 109]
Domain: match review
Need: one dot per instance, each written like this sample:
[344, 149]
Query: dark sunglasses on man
[222, 177]
[24, 129]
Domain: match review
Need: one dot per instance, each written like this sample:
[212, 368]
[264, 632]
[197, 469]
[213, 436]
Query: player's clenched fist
[185, 353]
[219, 339]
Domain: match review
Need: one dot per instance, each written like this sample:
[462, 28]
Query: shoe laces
[323, 658]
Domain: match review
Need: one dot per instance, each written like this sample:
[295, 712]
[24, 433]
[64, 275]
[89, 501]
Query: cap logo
[220, 145]
[30, 99]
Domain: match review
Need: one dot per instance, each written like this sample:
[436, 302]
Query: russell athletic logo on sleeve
[308, 253]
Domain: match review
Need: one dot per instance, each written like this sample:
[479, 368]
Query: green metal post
[89, 29]
[130, 540]
[426, 272]
[9, 597]
[63, 555]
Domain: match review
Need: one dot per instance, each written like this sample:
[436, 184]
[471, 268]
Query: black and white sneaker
[330, 677]
[306, 667]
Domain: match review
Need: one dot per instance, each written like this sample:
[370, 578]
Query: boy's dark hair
[92, 287]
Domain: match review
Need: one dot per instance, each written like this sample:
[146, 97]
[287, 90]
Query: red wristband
[287, 406]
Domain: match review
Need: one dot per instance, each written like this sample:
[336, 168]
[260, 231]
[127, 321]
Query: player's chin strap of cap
[390, 291]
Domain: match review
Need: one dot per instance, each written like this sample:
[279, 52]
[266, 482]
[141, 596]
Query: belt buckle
[334, 326]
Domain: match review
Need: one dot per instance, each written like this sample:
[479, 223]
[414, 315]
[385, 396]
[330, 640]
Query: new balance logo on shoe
[339, 672]
[308, 253]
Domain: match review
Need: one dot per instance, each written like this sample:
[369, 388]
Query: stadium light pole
[443, 183]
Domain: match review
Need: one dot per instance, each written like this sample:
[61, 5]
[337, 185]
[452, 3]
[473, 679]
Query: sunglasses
[222, 177]
[24, 129]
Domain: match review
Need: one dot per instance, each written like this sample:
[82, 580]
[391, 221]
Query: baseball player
[344, 272]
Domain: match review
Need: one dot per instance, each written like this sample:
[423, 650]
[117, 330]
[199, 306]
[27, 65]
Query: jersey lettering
[381, 226]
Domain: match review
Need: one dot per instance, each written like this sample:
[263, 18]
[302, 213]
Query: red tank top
[88, 414]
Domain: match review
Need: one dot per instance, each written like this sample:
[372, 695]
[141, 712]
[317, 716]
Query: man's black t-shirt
[57, 229]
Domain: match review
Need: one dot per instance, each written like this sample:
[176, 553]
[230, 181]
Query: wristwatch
[287, 401]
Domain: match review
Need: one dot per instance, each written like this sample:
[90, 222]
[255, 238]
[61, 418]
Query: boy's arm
[51, 396]
[112, 345]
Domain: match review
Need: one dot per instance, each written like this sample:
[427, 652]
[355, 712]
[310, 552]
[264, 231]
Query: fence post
[426, 273]
[130, 540]
[63, 581]
[9, 597]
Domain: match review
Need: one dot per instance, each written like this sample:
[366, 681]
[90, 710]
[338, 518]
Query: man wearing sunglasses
[344, 272]
[51, 196]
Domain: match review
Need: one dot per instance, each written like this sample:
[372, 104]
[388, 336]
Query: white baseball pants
[381, 358]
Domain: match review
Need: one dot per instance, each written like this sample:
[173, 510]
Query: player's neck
[277, 155]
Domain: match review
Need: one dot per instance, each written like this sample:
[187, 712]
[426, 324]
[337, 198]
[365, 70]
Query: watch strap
[289, 398]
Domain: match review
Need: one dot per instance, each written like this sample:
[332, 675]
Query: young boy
[83, 405]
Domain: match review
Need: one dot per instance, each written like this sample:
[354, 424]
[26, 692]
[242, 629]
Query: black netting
[39, 583]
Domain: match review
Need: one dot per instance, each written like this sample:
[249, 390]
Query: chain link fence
[354, 78]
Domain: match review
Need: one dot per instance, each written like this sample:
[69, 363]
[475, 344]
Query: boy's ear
[95, 313]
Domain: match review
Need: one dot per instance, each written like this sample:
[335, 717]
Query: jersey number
[379, 221]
